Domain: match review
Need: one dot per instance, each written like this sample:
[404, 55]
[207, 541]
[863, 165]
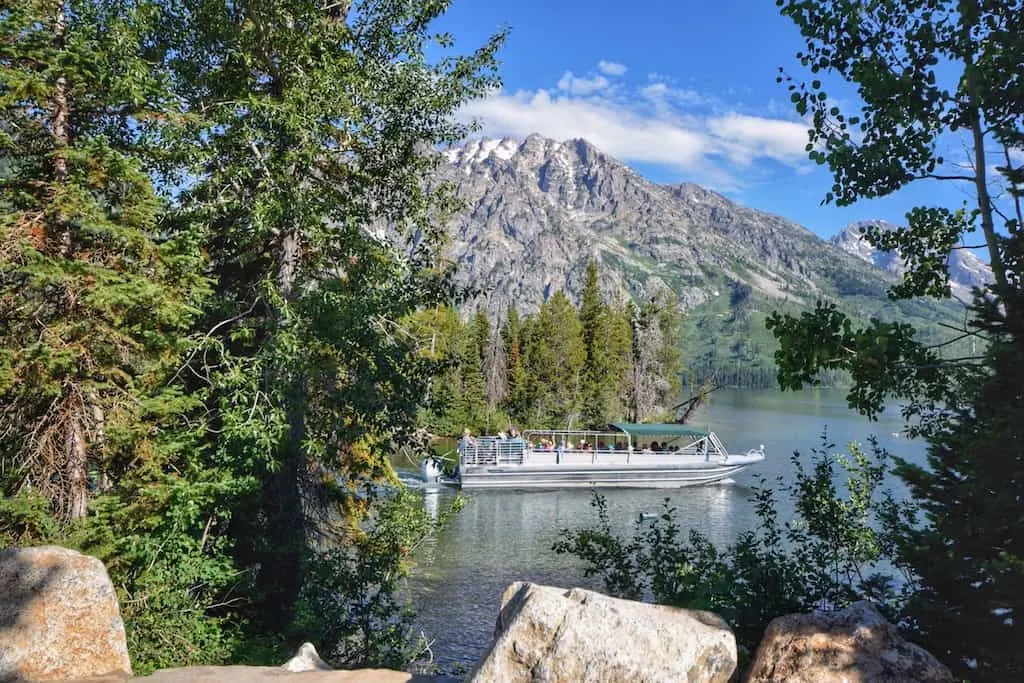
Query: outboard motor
[431, 470]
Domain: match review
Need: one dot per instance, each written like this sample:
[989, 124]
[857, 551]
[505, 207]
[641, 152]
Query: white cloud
[654, 91]
[680, 129]
[576, 85]
[621, 133]
[745, 138]
[611, 68]
[660, 92]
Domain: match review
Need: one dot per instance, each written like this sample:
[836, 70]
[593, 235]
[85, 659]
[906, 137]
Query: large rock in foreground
[306, 666]
[59, 617]
[551, 634]
[270, 674]
[855, 645]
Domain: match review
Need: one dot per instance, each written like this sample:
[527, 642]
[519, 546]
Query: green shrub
[836, 550]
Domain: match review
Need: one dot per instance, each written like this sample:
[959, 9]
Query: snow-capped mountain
[966, 271]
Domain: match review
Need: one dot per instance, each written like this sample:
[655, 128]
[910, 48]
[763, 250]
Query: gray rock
[855, 645]
[59, 617]
[253, 674]
[306, 659]
[551, 634]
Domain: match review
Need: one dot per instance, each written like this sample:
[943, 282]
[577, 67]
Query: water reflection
[432, 503]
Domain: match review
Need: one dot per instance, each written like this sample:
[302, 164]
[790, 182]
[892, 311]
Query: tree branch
[936, 176]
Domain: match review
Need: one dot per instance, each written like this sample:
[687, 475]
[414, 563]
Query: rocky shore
[60, 620]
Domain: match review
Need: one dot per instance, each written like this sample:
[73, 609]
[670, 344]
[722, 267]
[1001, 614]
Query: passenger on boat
[515, 437]
[467, 443]
[655, 446]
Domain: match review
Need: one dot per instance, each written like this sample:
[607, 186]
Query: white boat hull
[601, 475]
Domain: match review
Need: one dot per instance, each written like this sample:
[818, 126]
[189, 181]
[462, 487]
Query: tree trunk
[76, 489]
[288, 263]
[59, 115]
[75, 456]
[75, 477]
[968, 15]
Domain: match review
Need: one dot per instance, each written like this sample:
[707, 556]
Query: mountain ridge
[966, 270]
[537, 210]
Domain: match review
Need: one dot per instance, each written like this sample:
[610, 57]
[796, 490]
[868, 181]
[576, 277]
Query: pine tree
[670, 357]
[555, 363]
[93, 305]
[512, 335]
[607, 353]
[969, 558]
[480, 334]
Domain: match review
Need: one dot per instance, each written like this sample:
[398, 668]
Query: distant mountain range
[966, 271]
[538, 210]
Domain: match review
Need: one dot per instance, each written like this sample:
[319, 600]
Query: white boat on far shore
[625, 456]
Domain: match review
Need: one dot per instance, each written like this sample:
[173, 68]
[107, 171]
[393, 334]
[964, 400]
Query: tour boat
[624, 456]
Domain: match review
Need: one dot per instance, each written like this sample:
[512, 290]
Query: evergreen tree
[607, 350]
[555, 358]
[480, 335]
[468, 406]
[969, 559]
[93, 306]
[512, 335]
[670, 357]
[227, 447]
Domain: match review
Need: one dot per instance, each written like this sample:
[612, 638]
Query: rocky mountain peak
[966, 270]
[538, 209]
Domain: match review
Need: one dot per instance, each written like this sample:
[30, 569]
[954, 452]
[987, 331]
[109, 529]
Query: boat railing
[492, 450]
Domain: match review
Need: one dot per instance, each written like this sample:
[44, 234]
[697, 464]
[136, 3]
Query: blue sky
[680, 90]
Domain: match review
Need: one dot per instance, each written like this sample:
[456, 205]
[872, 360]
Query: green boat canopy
[648, 431]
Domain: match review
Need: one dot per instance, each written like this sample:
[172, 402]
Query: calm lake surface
[506, 536]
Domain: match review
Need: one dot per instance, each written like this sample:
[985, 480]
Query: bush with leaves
[836, 550]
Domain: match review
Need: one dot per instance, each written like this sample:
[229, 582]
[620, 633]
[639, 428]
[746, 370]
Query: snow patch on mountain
[966, 270]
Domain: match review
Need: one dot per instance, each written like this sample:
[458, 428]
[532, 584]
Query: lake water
[506, 536]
